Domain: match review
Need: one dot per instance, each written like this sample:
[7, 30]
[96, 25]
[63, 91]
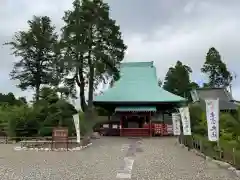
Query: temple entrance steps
[135, 132]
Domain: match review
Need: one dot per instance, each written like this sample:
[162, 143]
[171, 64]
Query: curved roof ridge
[137, 64]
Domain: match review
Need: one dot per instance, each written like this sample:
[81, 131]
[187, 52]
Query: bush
[45, 131]
[198, 119]
[18, 119]
[24, 121]
[85, 125]
[20, 122]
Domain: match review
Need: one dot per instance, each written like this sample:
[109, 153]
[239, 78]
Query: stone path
[125, 171]
[155, 158]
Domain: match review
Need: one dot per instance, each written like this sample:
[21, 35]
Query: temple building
[226, 101]
[136, 103]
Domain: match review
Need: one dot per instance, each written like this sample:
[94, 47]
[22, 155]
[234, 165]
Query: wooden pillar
[150, 124]
[121, 125]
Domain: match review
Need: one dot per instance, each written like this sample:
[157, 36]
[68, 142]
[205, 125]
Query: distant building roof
[226, 101]
[138, 83]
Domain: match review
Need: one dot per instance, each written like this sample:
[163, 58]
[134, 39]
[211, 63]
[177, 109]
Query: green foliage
[54, 111]
[216, 69]
[101, 111]
[198, 120]
[10, 99]
[34, 47]
[21, 122]
[91, 49]
[39, 119]
[86, 125]
[229, 127]
[94, 46]
[177, 80]
[89, 53]
[83, 123]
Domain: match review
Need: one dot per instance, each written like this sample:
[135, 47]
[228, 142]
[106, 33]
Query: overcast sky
[162, 31]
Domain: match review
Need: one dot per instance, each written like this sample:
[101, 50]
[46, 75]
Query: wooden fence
[42, 142]
[211, 149]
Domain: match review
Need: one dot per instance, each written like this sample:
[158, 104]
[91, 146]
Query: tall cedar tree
[35, 49]
[217, 71]
[177, 80]
[94, 46]
[73, 37]
[107, 49]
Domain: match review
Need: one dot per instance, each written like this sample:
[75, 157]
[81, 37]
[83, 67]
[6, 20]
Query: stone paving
[155, 158]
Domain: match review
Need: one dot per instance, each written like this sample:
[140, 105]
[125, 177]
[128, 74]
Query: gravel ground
[163, 160]
[158, 158]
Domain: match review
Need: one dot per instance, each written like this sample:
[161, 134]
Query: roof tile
[138, 83]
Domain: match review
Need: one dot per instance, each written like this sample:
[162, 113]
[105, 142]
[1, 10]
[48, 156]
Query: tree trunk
[91, 73]
[37, 92]
[82, 90]
[81, 83]
[89, 113]
[91, 86]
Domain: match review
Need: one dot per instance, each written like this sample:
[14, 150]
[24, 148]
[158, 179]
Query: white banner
[77, 126]
[212, 113]
[185, 117]
[176, 124]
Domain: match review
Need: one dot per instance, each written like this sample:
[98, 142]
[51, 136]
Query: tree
[48, 94]
[64, 92]
[23, 100]
[53, 111]
[35, 48]
[19, 119]
[10, 99]
[94, 47]
[193, 85]
[58, 74]
[216, 69]
[198, 119]
[177, 80]
[160, 82]
[107, 49]
[75, 49]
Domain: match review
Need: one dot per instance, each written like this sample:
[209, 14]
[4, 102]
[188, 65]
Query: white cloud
[189, 43]
[189, 7]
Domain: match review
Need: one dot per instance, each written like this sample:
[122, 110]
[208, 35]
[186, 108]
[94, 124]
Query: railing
[43, 142]
[125, 131]
[110, 132]
[230, 155]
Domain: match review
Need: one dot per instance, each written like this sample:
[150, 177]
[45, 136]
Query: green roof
[136, 109]
[138, 83]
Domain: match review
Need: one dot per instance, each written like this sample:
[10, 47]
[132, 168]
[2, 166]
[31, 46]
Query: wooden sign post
[60, 137]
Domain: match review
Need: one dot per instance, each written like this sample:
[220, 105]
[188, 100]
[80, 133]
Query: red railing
[158, 129]
[161, 129]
